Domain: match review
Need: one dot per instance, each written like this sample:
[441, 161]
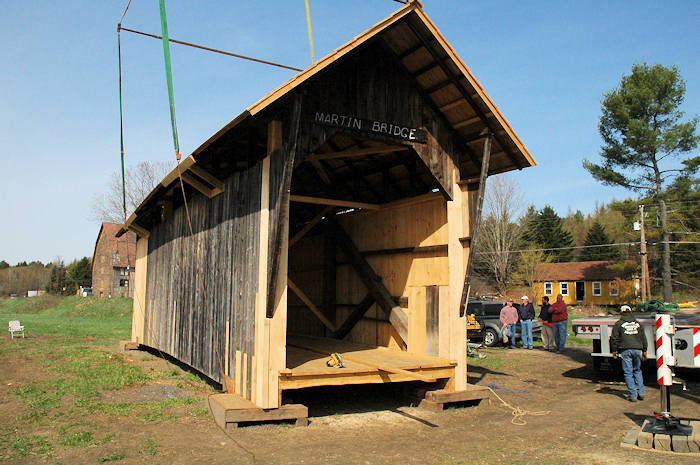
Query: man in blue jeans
[630, 344]
[526, 312]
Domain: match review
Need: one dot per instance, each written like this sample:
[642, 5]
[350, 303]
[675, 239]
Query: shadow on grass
[183, 366]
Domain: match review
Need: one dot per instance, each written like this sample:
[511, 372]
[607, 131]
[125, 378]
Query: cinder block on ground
[662, 442]
[680, 443]
[630, 438]
[645, 440]
[694, 440]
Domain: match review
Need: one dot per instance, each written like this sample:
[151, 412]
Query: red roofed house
[113, 262]
[588, 283]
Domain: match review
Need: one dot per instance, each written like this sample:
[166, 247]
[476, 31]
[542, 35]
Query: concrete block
[662, 442]
[645, 440]
[694, 440]
[680, 444]
[630, 438]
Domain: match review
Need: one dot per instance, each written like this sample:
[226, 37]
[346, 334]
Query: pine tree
[642, 132]
[597, 236]
[544, 228]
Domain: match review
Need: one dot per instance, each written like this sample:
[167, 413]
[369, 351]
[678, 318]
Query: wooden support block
[230, 410]
[645, 440]
[128, 345]
[430, 405]
[694, 440]
[680, 443]
[472, 393]
[630, 439]
[662, 442]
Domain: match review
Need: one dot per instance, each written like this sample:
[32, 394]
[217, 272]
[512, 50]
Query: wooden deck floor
[307, 356]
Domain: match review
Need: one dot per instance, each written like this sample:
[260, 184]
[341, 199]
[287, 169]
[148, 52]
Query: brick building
[113, 262]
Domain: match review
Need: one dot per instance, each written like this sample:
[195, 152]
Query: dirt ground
[585, 417]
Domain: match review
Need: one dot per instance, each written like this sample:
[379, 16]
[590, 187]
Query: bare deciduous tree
[140, 181]
[504, 204]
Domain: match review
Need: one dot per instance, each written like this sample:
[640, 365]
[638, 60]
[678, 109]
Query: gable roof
[440, 75]
[125, 245]
[583, 271]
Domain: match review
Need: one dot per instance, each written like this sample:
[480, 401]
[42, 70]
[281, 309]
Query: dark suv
[488, 314]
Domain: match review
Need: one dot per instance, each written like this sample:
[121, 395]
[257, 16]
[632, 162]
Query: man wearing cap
[630, 344]
[509, 318]
[526, 314]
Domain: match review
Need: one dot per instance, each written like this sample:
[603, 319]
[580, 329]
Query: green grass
[65, 344]
[151, 447]
[31, 445]
[73, 316]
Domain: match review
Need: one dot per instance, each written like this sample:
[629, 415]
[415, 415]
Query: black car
[488, 314]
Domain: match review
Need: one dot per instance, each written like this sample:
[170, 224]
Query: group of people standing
[553, 317]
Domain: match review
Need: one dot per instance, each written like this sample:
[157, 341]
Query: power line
[209, 49]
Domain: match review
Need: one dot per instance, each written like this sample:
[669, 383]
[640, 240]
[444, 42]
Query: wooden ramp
[229, 410]
[307, 356]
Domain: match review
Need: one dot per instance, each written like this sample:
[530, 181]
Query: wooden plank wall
[409, 225]
[227, 246]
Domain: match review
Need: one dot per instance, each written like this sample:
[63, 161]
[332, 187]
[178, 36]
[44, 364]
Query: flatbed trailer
[686, 340]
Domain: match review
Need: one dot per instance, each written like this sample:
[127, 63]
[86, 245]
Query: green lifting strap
[168, 75]
[121, 116]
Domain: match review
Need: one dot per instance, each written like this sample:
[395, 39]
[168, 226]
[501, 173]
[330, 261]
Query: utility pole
[646, 287]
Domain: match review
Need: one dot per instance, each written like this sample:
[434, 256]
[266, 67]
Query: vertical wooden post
[457, 220]
[267, 330]
[139, 304]
[416, 320]
[466, 289]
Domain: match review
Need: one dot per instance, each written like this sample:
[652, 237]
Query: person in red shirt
[560, 318]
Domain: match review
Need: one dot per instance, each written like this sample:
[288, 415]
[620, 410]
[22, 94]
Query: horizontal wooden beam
[471, 120]
[314, 309]
[404, 250]
[356, 152]
[453, 104]
[333, 202]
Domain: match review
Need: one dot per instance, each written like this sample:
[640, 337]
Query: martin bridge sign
[371, 126]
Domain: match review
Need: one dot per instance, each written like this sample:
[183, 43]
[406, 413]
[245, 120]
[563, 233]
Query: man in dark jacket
[526, 312]
[630, 344]
[546, 320]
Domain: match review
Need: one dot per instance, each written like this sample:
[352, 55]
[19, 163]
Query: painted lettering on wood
[371, 126]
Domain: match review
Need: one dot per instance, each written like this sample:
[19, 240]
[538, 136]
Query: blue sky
[546, 65]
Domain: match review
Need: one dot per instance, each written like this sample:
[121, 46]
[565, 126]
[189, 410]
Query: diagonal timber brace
[372, 281]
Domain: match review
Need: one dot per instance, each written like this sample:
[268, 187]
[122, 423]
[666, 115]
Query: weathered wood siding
[373, 85]
[226, 247]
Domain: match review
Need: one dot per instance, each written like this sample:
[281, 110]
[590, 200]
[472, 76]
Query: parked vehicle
[686, 338]
[488, 313]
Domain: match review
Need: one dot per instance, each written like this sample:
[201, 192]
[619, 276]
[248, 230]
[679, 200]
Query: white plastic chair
[15, 327]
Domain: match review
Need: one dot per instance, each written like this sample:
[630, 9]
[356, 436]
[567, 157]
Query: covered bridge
[334, 215]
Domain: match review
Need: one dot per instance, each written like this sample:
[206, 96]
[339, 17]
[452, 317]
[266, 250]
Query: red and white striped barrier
[696, 346]
[663, 350]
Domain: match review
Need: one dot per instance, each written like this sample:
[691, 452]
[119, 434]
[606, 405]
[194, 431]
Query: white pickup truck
[685, 341]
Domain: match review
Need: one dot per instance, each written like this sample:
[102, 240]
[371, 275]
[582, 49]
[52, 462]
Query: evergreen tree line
[55, 277]
[544, 236]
